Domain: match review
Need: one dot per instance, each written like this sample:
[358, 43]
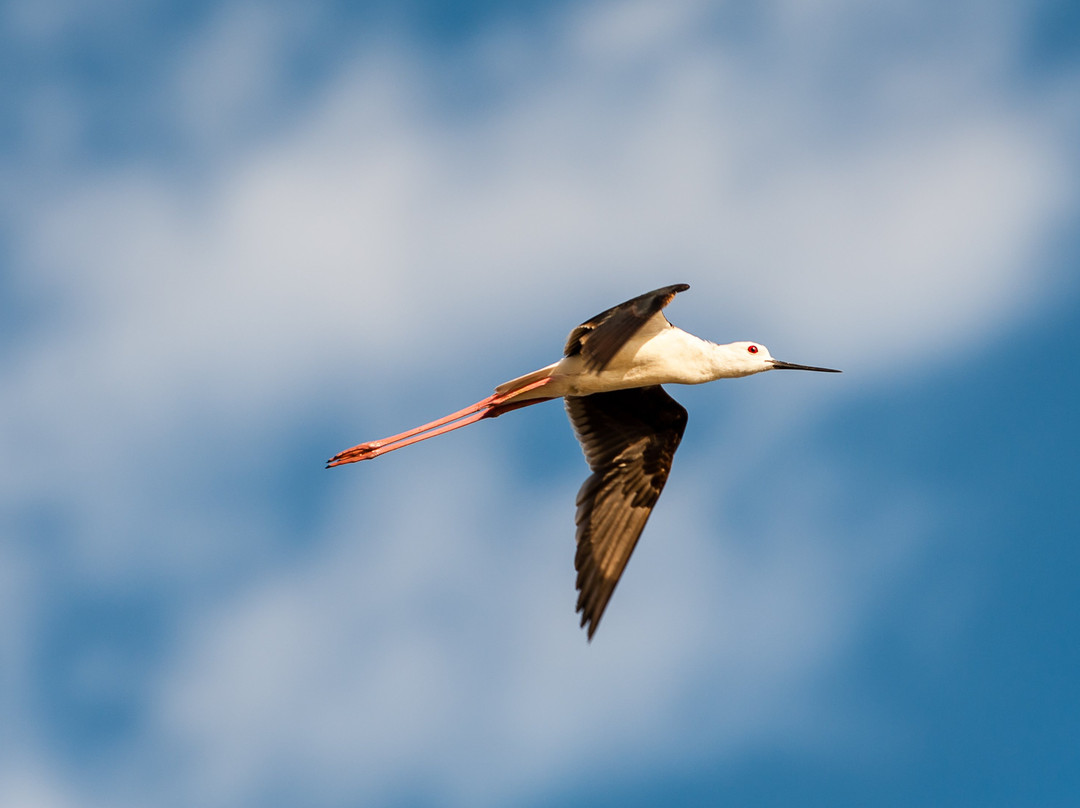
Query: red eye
[752, 349]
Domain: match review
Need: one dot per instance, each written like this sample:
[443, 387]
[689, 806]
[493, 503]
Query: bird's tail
[524, 386]
[512, 395]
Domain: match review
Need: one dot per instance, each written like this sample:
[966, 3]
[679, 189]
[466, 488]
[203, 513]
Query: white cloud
[388, 255]
[375, 215]
[418, 643]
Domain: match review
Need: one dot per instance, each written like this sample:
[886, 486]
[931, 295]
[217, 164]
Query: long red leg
[490, 407]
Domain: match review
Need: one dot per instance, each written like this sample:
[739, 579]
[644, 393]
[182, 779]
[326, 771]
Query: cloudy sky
[237, 237]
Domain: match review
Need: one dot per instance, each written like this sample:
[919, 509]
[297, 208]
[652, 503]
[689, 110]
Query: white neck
[691, 360]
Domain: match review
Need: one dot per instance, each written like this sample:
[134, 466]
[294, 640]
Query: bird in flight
[628, 426]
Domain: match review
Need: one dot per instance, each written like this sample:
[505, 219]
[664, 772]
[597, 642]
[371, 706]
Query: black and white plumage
[599, 339]
[628, 426]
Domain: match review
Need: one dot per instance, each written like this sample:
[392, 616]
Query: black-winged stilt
[629, 428]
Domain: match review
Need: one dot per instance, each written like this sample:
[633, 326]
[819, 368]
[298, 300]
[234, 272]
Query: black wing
[599, 339]
[629, 438]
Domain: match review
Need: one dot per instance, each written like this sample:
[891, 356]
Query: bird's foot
[364, 451]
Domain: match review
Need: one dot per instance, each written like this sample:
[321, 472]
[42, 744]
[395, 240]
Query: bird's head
[745, 358]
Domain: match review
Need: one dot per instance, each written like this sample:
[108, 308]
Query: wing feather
[629, 438]
[600, 338]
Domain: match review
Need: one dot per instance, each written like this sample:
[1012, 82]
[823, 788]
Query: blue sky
[236, 238]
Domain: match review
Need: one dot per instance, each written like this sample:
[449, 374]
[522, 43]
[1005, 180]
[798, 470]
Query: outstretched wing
[599, 339]
[629, 438]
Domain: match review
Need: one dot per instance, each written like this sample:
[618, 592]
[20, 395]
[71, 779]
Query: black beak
[778, 365]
